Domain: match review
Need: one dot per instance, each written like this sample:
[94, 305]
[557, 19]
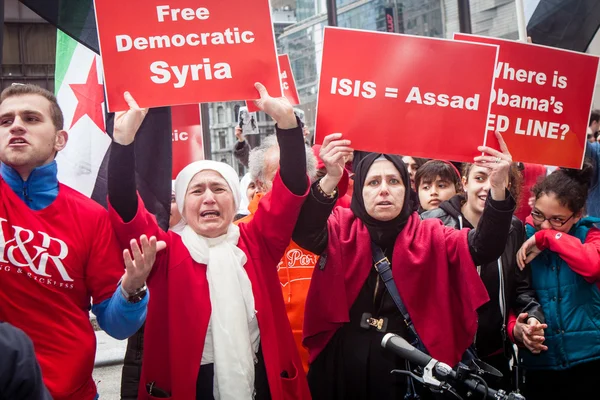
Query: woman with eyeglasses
[563, 252]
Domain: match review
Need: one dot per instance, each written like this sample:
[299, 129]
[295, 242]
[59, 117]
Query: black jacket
[519, 296]
[20, 374]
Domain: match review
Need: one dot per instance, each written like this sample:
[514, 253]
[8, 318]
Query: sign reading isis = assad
[403, 94]
[182, 52]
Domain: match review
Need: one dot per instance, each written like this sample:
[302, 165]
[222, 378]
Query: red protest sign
[408, 95]
[542, 101]
[287, 83]
[168, 52]
[186, 136]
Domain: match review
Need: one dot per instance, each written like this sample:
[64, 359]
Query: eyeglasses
[555, 222]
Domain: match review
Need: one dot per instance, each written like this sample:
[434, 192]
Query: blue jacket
[571, 306]
[592, 152]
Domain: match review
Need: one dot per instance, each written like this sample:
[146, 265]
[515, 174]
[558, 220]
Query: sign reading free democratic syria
[168, 52]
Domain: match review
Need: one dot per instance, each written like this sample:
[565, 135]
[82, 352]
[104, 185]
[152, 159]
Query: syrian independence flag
[567, 24]
[80, 92]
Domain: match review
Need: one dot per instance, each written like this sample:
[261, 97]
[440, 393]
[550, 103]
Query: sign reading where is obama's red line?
[542, 101]
[168, 52]
[405, 94]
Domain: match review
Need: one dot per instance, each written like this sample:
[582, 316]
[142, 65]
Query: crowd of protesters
[282, 285]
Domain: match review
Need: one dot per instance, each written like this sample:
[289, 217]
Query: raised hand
[138, 268]
[128, 122]
[278, 108]
[498, 165]
[527, 252]
[238, 134]
[334, 152]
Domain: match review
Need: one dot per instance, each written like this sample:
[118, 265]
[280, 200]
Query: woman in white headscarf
[217, 325]
[247, 190]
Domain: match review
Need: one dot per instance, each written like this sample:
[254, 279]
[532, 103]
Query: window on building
[220, 115]
[222, 140]
[28, 54]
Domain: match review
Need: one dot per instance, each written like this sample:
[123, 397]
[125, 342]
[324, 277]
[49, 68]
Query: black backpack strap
[383, 267]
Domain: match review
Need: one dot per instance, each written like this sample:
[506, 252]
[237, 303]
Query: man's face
[270, 170]
[591, 138]
[28, 138]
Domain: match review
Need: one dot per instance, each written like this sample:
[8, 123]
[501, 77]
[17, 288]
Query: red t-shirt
[51, 262]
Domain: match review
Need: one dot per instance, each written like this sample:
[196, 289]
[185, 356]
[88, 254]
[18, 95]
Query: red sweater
[179, 311]
[432, 268]
[52, 263]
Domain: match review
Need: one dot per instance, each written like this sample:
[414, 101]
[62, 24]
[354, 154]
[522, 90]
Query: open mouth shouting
[17, 142]
[210, 214]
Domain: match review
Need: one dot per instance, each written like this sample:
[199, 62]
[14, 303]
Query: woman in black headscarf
[349, 309]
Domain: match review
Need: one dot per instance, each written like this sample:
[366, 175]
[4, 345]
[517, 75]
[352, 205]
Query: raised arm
[277, 212]
[311, 228]
[241, 150]
[128, 216]
[487, 242]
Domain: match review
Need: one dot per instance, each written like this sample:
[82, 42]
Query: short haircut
[26, 89]
[594, 117]
[256, 161]
[429, 171]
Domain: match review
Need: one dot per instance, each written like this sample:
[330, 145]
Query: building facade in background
[223, 119]
[29, 49]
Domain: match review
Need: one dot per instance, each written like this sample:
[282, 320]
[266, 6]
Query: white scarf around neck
[233, 327]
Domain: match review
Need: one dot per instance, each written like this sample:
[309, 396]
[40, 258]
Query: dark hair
[25, 89]
[434, 168]
[515, 179]
[569, 186]
[594, 117]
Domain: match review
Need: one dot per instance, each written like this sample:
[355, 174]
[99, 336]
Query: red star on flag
[90, 96]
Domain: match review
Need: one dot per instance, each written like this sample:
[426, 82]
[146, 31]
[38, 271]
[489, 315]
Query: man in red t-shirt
[58, 252]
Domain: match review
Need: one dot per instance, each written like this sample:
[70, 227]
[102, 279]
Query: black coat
[20, 374]
[519, 296]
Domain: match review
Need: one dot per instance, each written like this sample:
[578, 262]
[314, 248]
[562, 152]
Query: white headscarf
[244, 201]
[233, 337]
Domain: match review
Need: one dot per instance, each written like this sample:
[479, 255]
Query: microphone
[405, 350]
[434, 369]
[431, 366]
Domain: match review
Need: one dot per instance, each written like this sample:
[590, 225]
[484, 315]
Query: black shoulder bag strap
[384, 269]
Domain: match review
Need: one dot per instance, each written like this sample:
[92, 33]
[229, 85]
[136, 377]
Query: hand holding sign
[128, 122]
[498, 165]
[278, 108]
[335, 152]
